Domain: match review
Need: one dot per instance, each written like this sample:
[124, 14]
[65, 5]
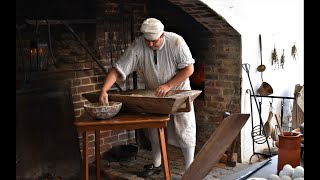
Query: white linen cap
[152, 28]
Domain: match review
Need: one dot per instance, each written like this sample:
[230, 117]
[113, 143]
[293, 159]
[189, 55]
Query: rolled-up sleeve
[128, 61]
[184, 56]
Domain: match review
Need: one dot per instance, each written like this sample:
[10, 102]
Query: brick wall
[211, 39]
[74, 66]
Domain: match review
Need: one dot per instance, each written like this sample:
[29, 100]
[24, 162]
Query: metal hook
[271, 107]
[260, 101]
[271, 101]
[246, 67]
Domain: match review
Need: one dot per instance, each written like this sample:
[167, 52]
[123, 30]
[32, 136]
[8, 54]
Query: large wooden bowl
[145, 101]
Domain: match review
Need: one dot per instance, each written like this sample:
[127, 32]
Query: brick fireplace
[215, 45]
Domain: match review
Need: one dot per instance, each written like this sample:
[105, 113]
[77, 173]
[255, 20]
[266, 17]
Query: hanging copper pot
[265, 89]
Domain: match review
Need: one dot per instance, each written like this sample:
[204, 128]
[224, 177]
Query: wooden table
[121, 121]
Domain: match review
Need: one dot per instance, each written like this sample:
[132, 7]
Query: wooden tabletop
[122, 121]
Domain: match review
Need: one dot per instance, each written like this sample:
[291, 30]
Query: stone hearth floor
[128, 170]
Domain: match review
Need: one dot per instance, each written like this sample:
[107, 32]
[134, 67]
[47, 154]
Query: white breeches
[188, 155]
[180, 132]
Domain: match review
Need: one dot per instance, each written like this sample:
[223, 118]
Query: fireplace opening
[47, 142]
[197, 78]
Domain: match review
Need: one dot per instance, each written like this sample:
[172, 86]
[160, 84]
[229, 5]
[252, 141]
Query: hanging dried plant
[282, 59]
[294, 51]
[274, 56]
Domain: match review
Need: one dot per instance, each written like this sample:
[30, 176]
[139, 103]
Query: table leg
[85, 159]
[164, 154]
[97, 153]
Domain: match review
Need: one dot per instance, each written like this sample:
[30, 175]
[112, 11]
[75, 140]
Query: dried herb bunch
[294, 51]
[274, 56]
[282, 59]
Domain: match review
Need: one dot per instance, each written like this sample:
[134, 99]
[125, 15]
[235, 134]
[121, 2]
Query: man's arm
[182, 75]
[110, 79]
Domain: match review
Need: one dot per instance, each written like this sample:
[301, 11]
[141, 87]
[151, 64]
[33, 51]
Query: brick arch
[222, 91]
[206, 16]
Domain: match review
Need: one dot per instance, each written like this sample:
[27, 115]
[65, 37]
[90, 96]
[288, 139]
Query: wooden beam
[215, 147]
[68, 21]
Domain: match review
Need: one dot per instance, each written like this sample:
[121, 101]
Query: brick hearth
[128, 170]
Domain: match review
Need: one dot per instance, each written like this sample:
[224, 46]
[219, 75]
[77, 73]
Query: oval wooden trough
[144, 101]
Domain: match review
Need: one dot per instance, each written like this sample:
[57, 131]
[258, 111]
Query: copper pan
[265, 89]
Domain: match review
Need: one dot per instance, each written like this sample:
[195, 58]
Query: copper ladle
[261, 67]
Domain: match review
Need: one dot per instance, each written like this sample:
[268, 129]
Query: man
[166, 63]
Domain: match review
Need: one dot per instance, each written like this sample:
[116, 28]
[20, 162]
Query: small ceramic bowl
[103, 111]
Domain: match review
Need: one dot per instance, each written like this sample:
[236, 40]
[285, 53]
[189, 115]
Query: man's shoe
[150, 170]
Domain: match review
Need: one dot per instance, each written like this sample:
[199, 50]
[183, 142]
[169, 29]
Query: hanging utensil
[274, 135]
[246, 68]
[280, 128]
[261, 67]
[267, 127]
[279, 125]
[265, 89]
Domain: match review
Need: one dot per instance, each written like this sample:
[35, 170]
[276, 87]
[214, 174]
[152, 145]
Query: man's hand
[103, 99]
[162, 90]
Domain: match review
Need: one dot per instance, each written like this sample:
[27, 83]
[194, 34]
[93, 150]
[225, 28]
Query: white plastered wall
[281, 25]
